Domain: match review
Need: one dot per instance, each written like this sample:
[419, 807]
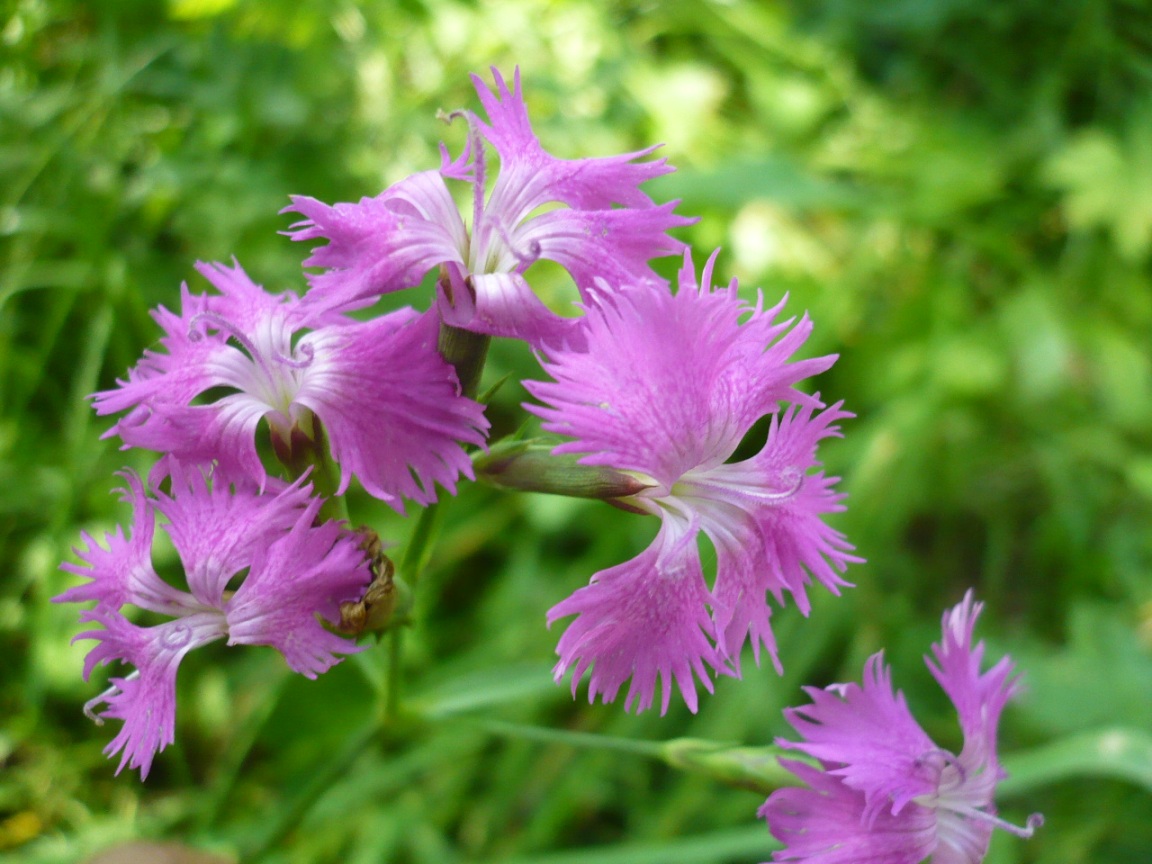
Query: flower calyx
[531, 466]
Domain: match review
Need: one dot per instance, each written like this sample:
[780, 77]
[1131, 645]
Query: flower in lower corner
[665, 388]
[604, 227]
[289, 571]
[884, 792]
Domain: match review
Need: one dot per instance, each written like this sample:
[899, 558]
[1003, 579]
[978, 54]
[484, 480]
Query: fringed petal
[305, 573]
[391, 407]
[643, 619]
[146, 699]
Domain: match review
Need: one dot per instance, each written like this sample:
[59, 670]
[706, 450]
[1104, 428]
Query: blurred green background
[960, 193]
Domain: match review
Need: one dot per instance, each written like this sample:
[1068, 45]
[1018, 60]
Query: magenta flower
[389, 405]
[389, 242]
[885, 793]
[295, 571]
[666, 389]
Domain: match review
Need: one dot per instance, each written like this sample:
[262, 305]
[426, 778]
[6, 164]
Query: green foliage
[958, 193]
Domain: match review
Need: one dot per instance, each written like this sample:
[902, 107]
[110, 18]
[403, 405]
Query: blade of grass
[1124, 754]
[713, 848]
[287, 818]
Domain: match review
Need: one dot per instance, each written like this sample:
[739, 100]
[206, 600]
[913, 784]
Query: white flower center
[265, 366]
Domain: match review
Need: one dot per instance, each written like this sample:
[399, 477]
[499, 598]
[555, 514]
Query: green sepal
[754, 768]
[531, 466]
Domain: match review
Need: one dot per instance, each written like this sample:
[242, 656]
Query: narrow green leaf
[484, 689]
[589, 740]
[1125, 754]
[754, 768]
[717, 846]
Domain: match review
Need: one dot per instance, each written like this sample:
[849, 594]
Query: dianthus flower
[389, 406]
[390, 242]
[884, 792]
[666, 390]
[295, 571]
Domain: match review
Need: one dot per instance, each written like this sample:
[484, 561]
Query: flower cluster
[680, 402]
[242, 373]
[883, 791]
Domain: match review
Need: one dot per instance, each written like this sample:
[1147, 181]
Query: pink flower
[389, 405]
[666, 389]
[390, 242]
[885, 793]
[295, 571]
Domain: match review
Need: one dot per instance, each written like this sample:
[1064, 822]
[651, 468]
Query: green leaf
[1124, 754]
[1099, 638]
[755, 768]
[1107, 182]
[712, 848]
[484, 689]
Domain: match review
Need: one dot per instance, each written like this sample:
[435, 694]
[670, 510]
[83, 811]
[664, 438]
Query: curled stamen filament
[106, 696]
[769, 495]
[221, 323]
[307, 354]
[523, 261]
[1033, 822]
[475, 150]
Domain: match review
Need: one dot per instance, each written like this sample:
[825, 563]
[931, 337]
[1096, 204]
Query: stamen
[1034, 821]
[720, 485]
[778, 496]
[523, 262]
[479, 162]
[458, 168]
[106, 696]
[307, 353]
[221, 323]
[90, 705]
[481, 175]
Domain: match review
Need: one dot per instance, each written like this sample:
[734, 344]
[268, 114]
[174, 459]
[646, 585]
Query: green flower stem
[754, 768]
[415, 559]
[466, 352]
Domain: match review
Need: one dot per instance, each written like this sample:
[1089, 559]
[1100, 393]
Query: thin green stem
[415, 559]
[420, 545]
[466, 353]
[591, 740]
[755, 768]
